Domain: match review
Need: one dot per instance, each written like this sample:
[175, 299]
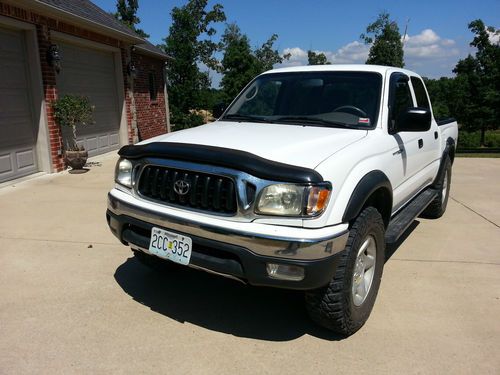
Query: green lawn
[478, 155]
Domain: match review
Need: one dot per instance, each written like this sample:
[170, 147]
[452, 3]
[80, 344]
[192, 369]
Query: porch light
[54, 57]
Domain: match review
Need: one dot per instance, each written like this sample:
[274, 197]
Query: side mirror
[414, 119]
[218, 110]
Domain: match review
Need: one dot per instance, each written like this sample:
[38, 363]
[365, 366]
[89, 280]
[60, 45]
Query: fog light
[285, 272]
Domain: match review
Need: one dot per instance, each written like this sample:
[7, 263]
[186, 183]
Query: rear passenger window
[420, 94]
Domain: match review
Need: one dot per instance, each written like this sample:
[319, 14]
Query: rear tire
[340, 306]
[437, 207]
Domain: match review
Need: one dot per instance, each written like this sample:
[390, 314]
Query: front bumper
[240, 255]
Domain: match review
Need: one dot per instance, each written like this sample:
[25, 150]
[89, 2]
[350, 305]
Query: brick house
[121, 73]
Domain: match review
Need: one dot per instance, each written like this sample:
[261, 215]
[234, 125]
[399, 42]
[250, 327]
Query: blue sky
[437, 30]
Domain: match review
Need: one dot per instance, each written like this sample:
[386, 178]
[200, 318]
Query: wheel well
[451, 149]
[381, 199]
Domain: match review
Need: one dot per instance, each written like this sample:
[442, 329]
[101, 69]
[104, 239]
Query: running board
[405, 217]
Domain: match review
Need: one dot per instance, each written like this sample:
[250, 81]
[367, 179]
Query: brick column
[50, 93]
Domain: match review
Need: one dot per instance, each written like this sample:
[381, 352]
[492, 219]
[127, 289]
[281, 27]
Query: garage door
[91, 72]
[17, 131]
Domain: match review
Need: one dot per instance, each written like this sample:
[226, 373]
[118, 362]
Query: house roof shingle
[90, 12]
[151, 49]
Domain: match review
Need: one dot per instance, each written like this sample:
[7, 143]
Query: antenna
[406, 29]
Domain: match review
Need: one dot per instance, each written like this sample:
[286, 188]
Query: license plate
[171, 246]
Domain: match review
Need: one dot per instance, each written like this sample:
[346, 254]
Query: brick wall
[150, 114]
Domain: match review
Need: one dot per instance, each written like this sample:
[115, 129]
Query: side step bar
[405, 217]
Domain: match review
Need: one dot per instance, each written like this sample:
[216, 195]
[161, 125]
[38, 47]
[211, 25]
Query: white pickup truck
[300, 184]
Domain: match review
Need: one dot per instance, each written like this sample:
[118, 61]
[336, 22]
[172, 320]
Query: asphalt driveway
[73, 300]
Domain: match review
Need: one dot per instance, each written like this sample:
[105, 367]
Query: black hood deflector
[223, 157]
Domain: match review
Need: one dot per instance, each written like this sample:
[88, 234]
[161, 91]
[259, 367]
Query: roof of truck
[342, 67]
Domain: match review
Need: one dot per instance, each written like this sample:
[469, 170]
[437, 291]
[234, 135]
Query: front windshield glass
[338, 99]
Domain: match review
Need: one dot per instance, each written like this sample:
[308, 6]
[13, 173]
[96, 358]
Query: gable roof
[150, 49]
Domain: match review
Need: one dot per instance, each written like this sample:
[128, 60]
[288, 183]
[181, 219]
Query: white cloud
[431, 54]
[428, 45]
[494, 37]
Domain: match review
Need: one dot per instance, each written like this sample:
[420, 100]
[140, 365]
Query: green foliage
[126, 14]
[314, 58]
[267, 56]
[478, 83]
[387, 48]
[189, 44]
[73, 110]
[185, 120]
[240, 64]
[473, 139]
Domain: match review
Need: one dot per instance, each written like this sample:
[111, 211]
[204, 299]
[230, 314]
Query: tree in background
[387, 48]
[126, 14]
[187, 48]
[267, 56]
[240, 64]
[478, 80]
[314, 58]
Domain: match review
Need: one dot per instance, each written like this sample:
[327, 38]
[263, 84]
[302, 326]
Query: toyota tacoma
[300, 183]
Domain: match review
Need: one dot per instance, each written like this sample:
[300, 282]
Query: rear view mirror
[414, 119]
[218, 110]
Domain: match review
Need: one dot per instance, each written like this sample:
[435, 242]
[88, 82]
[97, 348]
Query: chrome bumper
[263, 245]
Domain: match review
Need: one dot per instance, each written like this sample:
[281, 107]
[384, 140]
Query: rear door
[414, 148]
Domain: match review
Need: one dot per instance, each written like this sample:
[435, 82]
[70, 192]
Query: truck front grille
[190, 189]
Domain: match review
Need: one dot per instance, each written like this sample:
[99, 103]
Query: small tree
[70, 111]
[387, 48]
[319, 58]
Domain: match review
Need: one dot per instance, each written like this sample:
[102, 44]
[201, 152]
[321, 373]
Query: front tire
[345, 304]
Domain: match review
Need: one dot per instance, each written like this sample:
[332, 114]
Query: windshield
[337, 99]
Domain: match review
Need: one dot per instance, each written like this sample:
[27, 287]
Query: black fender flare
[370, 183]
[449, 151]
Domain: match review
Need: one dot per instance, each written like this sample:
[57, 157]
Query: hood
[304, 146]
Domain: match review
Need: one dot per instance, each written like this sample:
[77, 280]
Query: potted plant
[70, 111]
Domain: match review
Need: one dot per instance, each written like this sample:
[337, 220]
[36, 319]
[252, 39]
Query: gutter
[52, 11]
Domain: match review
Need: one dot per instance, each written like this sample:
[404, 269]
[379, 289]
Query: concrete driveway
[73, 300]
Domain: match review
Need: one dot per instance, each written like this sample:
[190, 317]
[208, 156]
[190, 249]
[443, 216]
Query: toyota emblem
[181, 187]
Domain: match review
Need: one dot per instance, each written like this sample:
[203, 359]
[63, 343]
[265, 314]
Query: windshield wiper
[238, 117]
[302, 120]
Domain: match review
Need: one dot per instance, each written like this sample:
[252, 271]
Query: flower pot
[76, 159]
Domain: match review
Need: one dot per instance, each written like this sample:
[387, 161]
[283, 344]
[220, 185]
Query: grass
[467, 155]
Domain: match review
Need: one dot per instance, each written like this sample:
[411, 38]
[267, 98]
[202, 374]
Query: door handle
[420, 143]
[400, 151]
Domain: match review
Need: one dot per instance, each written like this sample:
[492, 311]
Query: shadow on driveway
[224, 305]
[220, 304]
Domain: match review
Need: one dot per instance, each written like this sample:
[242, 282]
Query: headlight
[293, 200]
[123, 172]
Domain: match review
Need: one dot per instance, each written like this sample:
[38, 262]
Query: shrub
[73, 110]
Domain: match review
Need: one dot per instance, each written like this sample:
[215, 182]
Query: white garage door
[17, 131]
[91, 72]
